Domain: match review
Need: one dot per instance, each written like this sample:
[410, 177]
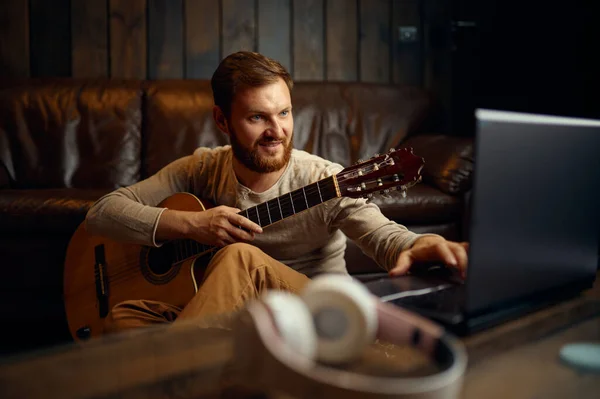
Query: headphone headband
[268, 361]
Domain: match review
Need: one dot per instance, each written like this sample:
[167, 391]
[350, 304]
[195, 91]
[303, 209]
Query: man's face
[261, 127]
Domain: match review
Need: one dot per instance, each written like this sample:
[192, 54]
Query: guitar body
[99, 273]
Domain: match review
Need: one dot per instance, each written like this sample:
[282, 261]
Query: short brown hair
[245, 69]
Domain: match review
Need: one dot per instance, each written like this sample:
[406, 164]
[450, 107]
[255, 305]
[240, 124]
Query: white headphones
[294, 343]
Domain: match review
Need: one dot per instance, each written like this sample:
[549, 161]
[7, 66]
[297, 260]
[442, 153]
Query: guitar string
[126, 269]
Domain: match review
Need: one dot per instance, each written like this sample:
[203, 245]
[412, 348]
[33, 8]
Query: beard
[253, 160]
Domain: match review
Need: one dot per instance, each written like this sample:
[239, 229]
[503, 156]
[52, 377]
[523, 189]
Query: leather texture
[66, 142]
[448, 161]
[45, 211]
[64, 133]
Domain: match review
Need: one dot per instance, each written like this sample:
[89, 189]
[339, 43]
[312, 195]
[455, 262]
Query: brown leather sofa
[65, 142]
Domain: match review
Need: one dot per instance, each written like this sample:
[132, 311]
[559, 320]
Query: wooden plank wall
[333, 40]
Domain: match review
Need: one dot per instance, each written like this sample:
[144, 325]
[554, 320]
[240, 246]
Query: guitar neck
[269, 212]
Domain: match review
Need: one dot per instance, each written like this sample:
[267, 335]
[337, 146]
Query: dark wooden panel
[165, 39]
[201, 38]
[342, 40]
[375, 41]
[438, 56]
[50, 37]
[128, 38]
[14, 39]
[437, 39]
[89, 26]
[274, 31]
[239, 26]
[308, 55]
[407, 62]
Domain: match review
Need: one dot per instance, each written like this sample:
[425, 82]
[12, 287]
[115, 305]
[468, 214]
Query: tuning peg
[391, 150]
[359, 161]
[375, 156]
[403, 193]
[369, 198]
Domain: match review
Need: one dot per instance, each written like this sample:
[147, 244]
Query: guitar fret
[292, 201]
[319, 189]
[268, 212]
[255, 220]
[275, 215]
[305, 200]
[280, 211]
[258, 216]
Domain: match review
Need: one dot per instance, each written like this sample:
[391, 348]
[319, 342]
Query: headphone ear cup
[293, 321]
[344, 315]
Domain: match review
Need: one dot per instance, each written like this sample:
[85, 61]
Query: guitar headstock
[397, 170]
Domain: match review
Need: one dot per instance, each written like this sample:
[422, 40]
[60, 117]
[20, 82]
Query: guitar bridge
[101, 281]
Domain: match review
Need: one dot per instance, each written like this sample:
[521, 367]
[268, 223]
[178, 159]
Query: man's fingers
[402, 264]
[461, 255]
[446, 255]
[438, 252]
[247, 224]
[240, 234]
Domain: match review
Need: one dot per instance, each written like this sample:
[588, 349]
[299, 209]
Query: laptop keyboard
[447, 298]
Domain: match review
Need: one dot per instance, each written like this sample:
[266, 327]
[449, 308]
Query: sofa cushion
[345, 122]
[179, 119]
[69, 133]
[423, 204]
[56, 211]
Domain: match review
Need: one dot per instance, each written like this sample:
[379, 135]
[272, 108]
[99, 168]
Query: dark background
[530, 56]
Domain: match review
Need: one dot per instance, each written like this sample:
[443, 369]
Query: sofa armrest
[448, 161]
[49, 211]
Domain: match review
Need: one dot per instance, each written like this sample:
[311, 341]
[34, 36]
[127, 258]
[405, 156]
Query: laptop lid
[535, 219]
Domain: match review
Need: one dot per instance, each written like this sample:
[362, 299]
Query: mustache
[269, 139]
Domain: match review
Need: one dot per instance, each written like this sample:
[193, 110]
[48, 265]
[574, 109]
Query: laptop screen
[536, 206]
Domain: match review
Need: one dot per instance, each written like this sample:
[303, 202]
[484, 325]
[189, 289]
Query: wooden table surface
[518, 359]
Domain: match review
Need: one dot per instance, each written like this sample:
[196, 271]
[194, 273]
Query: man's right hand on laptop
[433, 248]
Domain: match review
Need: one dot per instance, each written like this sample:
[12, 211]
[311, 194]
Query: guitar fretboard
[269, 212]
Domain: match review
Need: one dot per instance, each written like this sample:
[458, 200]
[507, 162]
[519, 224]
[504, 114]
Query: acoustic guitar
[99, 272]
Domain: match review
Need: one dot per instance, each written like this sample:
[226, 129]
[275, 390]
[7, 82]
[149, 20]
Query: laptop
[534, 228]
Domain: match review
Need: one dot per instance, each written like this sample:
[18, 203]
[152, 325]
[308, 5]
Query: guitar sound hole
[160, 260]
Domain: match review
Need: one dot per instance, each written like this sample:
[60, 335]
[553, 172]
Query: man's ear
[220, 120]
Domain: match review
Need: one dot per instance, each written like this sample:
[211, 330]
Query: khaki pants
[237, 273]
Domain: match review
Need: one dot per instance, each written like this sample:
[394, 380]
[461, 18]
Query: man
[253, 106]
